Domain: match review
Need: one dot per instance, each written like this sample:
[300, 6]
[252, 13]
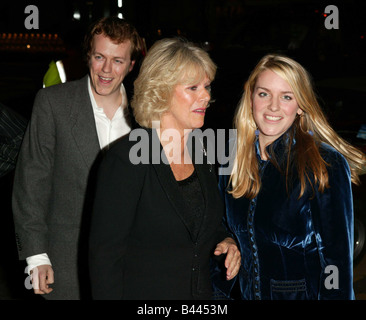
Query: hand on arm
[233, 258]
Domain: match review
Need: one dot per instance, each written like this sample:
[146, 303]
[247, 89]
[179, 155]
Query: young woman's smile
[274, 106]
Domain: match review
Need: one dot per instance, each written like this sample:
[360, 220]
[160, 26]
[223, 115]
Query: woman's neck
[174, 143]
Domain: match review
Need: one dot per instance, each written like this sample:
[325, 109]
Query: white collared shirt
[107, 131]
[110, 130]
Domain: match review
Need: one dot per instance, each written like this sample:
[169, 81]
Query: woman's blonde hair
[169, 62]
[308, 130]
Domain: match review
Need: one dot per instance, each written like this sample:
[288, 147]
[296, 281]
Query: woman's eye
[263, 94]
[287, 98]
[193, 88]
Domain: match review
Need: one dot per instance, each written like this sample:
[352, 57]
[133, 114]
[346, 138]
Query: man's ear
[131, 65]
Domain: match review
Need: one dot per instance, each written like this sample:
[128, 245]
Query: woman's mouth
[200, 111]
[272, 118]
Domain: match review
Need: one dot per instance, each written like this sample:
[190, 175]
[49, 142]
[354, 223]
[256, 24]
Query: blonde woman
[288, 198]
[157, 223]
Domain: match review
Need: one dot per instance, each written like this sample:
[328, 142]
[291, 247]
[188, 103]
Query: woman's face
[188, 106]
[274, 106]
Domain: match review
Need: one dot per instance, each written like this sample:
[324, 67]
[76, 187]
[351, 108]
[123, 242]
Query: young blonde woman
[288, 198]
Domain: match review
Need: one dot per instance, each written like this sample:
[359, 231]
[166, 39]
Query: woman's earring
[256, 132]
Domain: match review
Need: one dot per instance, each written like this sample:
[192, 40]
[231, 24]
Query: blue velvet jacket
[292, 249]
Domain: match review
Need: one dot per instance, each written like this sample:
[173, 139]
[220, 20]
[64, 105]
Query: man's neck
[109, 104]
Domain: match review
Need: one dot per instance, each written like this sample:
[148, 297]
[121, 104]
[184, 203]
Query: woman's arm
[332, 213]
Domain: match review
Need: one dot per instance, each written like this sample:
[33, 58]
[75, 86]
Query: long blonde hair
[309, 130]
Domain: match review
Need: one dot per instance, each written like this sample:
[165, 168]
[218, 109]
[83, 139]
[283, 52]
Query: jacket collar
[170, 185]
[279, 147]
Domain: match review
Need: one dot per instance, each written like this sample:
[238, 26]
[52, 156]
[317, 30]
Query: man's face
[108, 65]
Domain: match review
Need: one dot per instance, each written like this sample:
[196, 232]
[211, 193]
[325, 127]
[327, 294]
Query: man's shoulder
[65, 88]
[68, 95]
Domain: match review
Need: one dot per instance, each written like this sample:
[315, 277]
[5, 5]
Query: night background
[236, 33]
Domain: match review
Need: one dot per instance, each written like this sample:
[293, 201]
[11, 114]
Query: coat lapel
[83, 126]
[167, 179]
[171, 187]
[207, 178]
[203, 179]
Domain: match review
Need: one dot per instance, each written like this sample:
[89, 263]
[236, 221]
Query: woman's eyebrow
[265, 89]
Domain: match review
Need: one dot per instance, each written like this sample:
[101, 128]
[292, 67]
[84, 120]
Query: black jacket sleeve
[118, 190]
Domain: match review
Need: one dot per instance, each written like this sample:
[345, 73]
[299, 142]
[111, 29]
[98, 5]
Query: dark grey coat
[53, 181]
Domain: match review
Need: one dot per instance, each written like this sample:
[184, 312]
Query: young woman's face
[274, 106]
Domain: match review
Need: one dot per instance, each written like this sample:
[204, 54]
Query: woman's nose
[274, 104]
[206, 95]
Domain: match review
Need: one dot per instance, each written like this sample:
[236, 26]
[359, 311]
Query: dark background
[236, 33]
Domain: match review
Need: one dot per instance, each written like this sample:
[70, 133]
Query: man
[53, 185]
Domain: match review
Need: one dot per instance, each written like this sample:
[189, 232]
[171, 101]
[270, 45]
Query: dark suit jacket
[140, 244]
[59, 149]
